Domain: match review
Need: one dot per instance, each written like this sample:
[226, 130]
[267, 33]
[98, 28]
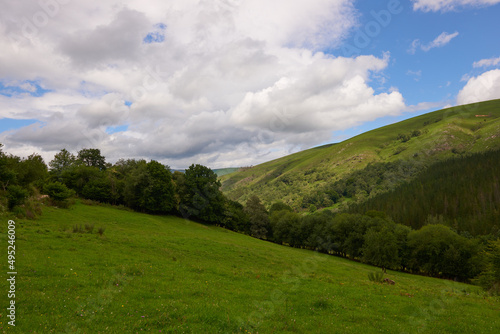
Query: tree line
[149, 187]
[373, 238]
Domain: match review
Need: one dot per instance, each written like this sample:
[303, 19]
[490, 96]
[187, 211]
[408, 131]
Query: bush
[58, 191]
[404, 137]
[16, 195]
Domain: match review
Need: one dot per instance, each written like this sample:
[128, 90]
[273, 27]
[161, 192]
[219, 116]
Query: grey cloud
[54, 136]
[120, 40]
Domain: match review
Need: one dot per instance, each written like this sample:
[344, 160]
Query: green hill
[421, 141]
[169, 275]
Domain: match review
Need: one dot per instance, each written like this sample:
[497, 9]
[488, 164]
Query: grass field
[170, 275]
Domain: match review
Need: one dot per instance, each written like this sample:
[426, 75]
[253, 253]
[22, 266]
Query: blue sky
[435, 75]
[233, 83]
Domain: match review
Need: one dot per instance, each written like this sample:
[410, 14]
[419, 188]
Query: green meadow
[101, 269]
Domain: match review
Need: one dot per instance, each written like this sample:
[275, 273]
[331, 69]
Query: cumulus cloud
[449, 5]
[481, 88]
[325, 95]
[224, 83]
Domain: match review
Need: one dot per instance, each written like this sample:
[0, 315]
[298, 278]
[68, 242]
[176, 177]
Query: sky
[229, 83]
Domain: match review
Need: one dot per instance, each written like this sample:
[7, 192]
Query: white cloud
[481, 88]
[330, 94]
[449, 5]
[440, 41]
[487, 62]
[414, 46]
[443, 39]
[225, 82]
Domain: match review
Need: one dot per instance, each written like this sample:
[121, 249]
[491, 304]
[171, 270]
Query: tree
[78, 176]
[148, 186]
[61, 162]
[439, 251]
[158, 195]
[7, 174]
[258, 217]
[285, 226]
[279, 206]
[179, 181]
[381, 248]
[201, 197]
[489, 278]
[135, 181]
[311, 230]
[235, 218]
[348, 233]
[97, 188]
[91, 157]
[31, 170]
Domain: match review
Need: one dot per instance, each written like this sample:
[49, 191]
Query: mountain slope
[422, 140]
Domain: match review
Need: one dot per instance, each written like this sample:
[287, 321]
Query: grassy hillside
[169, 275]
[225, 171]
[426, 139]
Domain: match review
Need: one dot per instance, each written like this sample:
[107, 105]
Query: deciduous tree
[201, 197]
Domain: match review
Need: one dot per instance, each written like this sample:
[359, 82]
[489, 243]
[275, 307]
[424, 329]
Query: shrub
[16, 195]
[58, 191]
[404, 137]
[416, 133]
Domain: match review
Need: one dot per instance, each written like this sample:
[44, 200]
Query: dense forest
[374, 235]
[463, 193]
